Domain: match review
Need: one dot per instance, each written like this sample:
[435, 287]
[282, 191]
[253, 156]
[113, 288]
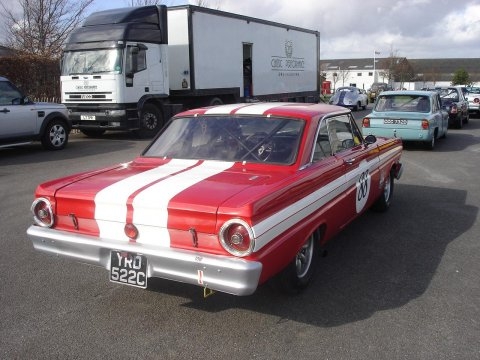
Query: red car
[224, 197]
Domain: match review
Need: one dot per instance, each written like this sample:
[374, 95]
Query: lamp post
[374, 72]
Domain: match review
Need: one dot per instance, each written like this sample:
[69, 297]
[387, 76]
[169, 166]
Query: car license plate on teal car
[128, 268]
[395, 121]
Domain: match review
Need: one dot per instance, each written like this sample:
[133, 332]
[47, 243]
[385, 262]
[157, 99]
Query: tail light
[425, 124]
[476, 100]
[42, 212]
[366, 122]
[236, 236]
[131, 231]
[453, 109]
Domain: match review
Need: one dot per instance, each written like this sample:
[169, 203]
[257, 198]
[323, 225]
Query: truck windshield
[107, 61]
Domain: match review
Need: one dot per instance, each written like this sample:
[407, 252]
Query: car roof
[409, 92]
[280, 109]
[3, 78]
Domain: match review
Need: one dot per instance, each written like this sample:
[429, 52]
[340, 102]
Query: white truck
[133, 68]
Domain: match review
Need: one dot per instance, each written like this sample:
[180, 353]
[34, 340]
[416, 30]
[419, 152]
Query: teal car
[413, 116]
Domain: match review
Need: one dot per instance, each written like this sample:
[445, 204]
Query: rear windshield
[226, 138]
[403, 103]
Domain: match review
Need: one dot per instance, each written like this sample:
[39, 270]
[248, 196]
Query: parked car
[226, 198]
[376, 89]
[350, 97]
[455, 103]
[23, 121]
[472, 95]
[409, 115]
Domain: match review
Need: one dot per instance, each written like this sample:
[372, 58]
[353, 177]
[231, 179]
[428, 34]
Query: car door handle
[5, 110]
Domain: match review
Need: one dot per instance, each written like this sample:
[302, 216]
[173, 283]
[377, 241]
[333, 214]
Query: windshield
[250, 139]
[92, 62]
[403, 103]
[449, 93]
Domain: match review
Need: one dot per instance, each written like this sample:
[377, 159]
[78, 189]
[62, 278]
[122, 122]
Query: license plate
[128, 268]
[87, 117]
[395, 121]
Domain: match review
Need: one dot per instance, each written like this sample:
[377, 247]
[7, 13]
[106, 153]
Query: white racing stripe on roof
[111, 202]
[257, 109]
[224, 109]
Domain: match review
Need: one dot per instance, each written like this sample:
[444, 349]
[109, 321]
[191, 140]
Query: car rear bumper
[221, 273]
[404, 134]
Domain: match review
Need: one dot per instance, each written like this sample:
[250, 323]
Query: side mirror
[370, 139]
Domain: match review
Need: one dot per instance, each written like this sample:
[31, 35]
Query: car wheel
[55, 136]
[430, 145]
[383, 202]
[356, 106]
[151, 121]
[92, 132]
[300, 272]
[467, 118]
[459, 121]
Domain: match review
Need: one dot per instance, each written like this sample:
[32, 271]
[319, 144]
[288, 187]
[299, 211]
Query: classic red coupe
[225, 198]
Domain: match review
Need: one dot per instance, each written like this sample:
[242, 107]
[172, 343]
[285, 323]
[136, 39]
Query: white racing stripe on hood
[111, 202]
[150, 207]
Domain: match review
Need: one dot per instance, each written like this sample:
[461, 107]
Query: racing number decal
[363, 189]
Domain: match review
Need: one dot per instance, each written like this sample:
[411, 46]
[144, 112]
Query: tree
[461, 77]
[42, 26]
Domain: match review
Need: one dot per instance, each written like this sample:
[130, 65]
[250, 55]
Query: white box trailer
[132, 68]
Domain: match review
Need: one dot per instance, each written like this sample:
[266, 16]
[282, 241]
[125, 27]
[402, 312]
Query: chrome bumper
[221, 273]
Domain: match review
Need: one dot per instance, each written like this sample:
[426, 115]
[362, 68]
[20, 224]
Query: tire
[94, 133]
[300, 272]
[430, 145]
[356, 106]
[383, 202]
[151, 121]
[216, 101]
[467, 118]
[55, 136]
[459, 121]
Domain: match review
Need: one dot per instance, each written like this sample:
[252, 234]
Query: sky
[350, 29]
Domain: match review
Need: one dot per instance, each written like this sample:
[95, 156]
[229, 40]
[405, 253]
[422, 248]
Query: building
[400, 73]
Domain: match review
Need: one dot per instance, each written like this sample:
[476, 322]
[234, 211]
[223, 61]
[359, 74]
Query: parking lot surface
[399, 285]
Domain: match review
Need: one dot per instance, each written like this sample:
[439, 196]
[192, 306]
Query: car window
[229, 138]
[343, 133]
[403, 103]
[9, 95]
[322, 147]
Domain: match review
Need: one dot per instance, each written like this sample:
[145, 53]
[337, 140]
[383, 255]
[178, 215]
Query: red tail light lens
[236, 236]
[366, 122]
[425, 124]
[42, 212]
[131, 231]
[476, 100]
[453, 109]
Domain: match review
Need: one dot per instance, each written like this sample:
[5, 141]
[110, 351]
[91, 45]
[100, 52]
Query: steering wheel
[261, 149]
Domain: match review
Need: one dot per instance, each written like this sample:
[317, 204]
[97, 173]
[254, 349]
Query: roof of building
[442, 68]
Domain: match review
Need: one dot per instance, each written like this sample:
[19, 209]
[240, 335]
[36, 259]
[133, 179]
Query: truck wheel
[216, 101]
[151, 121]
[299, 273]
[383, 202]
[92, 133]
[55, 136]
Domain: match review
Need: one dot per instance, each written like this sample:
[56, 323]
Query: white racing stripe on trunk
[150, 207]
[111, 202]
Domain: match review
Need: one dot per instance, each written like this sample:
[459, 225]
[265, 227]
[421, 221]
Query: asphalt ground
[399, 285]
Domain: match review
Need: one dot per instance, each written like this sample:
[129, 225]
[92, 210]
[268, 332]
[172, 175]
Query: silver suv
[23, 121]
